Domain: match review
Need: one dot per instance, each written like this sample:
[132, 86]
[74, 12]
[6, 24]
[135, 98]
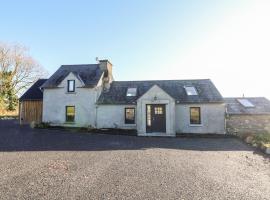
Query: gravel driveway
[51, 164]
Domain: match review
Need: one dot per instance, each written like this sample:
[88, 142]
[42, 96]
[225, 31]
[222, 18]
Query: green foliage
[262, 138]
[8, 98]
[42, 125]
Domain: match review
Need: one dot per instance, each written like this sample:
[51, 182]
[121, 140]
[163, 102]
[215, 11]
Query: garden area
[259, 140]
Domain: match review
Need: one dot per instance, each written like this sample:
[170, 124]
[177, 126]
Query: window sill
[130, 124]
[196, 125]
[71, 92]
[70, 123]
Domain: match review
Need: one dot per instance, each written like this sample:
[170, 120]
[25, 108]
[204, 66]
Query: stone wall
[238, 124]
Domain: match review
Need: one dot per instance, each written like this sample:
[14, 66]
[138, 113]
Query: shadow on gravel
[14, 137]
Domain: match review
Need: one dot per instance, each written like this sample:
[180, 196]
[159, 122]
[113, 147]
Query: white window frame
[132, 93]
[125, 119]
[192, 88]
[244, 101]
[68, 85]
[201, 118]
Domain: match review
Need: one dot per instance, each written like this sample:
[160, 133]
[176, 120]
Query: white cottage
[88, 96]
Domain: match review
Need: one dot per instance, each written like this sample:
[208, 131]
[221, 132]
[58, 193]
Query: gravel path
[42, 164]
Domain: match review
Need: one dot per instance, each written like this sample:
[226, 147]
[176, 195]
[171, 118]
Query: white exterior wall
[156, 96]
[212, 118]
[113, 116]
[87, 113]
[55, 101]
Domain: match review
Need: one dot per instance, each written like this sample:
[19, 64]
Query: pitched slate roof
[34, 92]
[207, 92]
[90, 74]
[261, 106]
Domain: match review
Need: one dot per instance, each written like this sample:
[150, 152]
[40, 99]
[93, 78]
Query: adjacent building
[247, 115]
[31, 104]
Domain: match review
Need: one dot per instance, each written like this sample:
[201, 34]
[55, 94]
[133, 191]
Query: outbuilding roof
[207, 92]
[90, 74]
[34, 92]
[261, 106]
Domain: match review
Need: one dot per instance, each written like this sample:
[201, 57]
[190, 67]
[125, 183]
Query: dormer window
[71, 86]
[190, 90]
[246, 103]
[131, 92]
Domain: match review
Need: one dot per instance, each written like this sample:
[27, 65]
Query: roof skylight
[131, 92]
[246, 103]
[190, 90]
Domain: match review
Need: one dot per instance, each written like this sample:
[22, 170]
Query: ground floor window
[129, 115]
[70, 113]
[195, 115]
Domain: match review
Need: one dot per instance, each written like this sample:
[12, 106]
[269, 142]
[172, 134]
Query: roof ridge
[244, 97]
[78, 64]
[165, 80]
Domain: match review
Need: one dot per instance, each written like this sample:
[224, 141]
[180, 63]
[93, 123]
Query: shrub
[262, 138]
[42, 125]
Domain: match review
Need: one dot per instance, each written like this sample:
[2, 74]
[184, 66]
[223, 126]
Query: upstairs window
[131, 92]
[246, 103]
[71, 86]
[190, 90]
[129, 115]
[195, 115]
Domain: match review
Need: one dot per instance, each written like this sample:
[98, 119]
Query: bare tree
[23, 69]
[18, 70]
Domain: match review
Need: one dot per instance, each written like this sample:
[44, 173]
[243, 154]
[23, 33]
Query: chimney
[106, 66]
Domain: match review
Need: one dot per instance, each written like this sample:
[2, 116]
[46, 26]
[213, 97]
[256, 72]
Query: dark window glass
[71, 85]
[70, 113]
[195, 115]
[130, 115]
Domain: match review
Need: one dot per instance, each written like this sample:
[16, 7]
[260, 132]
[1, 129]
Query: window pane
[246, 103]
[195, 115]
[70, 113]
[191, 90]
[71, 85]
[130, 115]
[132, 92]
[148, 115]
[158, 110]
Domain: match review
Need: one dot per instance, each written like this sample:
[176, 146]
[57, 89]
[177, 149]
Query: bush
[263, 138]
[42, 125]
[257, 140]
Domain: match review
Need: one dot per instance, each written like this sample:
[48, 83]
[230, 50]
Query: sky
[227, 41]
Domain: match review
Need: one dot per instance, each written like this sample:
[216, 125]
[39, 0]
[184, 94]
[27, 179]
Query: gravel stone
[54, 164]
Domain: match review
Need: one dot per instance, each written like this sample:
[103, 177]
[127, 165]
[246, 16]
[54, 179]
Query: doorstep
[156, 135]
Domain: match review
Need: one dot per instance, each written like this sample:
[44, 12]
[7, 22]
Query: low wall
[237, 124]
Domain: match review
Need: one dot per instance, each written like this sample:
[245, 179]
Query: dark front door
[155, 118]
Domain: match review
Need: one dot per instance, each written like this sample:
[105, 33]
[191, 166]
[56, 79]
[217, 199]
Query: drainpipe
[96, 116]
[96, 106]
